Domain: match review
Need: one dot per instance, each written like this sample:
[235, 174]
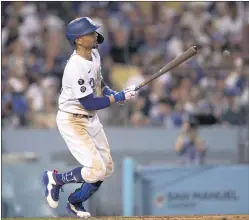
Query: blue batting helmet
[82, 26]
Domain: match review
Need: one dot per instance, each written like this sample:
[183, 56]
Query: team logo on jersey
[81, 81]
[82, 89]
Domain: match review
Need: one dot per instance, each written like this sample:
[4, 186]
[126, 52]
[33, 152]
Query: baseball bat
[172, 64]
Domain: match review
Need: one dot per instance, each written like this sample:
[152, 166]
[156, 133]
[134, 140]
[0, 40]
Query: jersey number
[92, 83]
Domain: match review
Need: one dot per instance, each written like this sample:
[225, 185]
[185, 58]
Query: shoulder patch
[82, 89]
[81, 81]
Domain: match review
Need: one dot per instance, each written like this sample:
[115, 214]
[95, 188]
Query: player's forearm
[92, 103]
[106, 91]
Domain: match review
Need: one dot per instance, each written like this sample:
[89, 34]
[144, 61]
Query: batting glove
[124, 95]
[129, 89]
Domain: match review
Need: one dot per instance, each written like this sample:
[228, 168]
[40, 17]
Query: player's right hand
[124, 95]
[129, 94]
[132, 91]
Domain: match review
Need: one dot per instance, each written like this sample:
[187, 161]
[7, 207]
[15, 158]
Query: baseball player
[83, 93]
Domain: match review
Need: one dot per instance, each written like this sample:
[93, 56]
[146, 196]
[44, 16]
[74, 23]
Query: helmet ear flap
[100, 38]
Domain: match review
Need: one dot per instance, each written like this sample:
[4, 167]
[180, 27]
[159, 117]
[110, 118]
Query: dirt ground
[214, 217]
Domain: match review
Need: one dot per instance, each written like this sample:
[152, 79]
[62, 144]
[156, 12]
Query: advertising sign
[193, 191]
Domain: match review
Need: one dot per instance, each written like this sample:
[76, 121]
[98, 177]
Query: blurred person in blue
[165, 116]
[6, 99]
[189, 146]
[232, 114]
[20, 107]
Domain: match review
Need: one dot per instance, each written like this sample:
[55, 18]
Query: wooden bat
[172, 64]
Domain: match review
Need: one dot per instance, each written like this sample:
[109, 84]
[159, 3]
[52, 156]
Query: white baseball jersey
[81, 77]
[84, 137]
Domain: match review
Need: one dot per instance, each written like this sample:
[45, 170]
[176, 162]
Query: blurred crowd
[143, 35]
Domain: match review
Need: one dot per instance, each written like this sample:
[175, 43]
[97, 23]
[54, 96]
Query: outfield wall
[146, 146]
[122, 140]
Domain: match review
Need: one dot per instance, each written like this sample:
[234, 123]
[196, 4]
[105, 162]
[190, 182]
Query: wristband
[119, 97]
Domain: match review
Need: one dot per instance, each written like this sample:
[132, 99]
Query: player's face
[88, 41]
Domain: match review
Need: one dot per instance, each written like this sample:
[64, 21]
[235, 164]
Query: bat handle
[137, 88]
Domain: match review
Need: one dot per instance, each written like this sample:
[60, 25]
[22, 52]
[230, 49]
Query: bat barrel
[195, 48]
[172, 64]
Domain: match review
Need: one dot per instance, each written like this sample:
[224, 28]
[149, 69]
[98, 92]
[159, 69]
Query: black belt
[78, 115]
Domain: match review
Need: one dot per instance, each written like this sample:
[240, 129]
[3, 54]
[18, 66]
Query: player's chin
[95, 45]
